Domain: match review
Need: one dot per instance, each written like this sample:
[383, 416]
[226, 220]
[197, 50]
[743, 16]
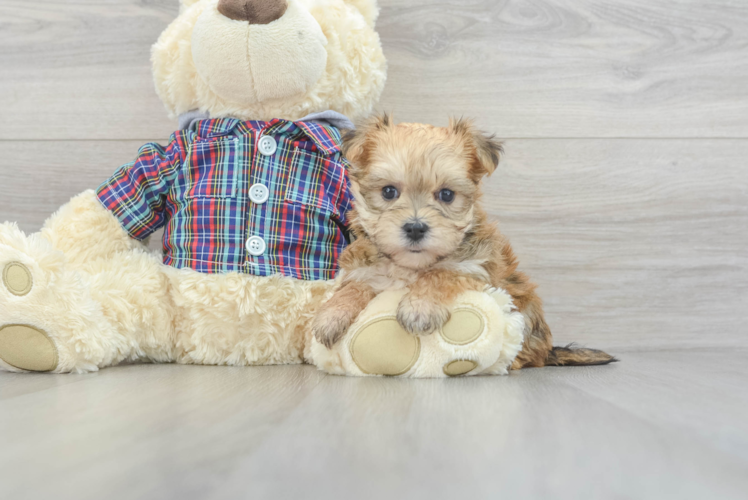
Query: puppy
[417, 223]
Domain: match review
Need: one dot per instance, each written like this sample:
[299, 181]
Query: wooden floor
[624, 190]
[657, 425]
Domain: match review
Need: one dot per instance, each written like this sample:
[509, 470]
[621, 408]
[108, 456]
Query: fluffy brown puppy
[417, 223]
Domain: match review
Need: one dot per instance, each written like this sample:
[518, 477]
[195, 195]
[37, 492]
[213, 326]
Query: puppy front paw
[330, 325]
[421, 316]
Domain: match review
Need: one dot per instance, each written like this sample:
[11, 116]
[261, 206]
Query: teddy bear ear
[368, 8]
[486, 150]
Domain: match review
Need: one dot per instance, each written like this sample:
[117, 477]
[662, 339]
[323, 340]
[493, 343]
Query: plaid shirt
[198, 188]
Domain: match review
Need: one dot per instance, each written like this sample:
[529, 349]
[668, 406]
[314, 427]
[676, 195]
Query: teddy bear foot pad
[383, 347]
[17, 279]
[27, 348]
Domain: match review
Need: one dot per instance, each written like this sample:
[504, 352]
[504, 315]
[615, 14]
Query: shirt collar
[318, 127]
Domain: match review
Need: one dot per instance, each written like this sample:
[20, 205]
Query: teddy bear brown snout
[253, 11]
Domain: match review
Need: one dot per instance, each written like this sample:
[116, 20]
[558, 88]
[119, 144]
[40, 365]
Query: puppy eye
[390, 192]
[446, 195]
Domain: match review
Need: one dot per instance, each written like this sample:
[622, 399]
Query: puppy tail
[572, 355]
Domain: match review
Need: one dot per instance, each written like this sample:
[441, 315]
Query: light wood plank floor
[624, 190]
[667, 424]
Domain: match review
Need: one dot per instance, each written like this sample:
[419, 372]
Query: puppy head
[416, 185]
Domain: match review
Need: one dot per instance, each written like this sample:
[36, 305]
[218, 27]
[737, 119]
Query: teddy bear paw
[482, 336]
[24, 346]
[384, 347]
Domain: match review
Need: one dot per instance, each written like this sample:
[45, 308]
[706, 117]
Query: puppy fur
[417, 223]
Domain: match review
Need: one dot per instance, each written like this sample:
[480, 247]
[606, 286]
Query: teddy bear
[252, 193]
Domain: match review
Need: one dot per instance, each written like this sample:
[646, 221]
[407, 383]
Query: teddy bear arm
[84, 230]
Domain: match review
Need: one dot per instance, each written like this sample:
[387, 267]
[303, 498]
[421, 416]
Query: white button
[256, 245]
[267, 145]
[259, 193]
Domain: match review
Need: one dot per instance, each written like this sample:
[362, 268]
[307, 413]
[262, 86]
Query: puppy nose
[415, 231]
[253, 11]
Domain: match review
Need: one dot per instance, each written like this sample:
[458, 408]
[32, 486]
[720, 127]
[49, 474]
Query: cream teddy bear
[252, 193]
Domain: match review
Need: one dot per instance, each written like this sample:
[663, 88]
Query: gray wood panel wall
[624, 187]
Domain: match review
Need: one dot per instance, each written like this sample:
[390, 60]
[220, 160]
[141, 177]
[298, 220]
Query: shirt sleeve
[136, 193]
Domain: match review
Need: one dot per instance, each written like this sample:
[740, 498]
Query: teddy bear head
[264, 59]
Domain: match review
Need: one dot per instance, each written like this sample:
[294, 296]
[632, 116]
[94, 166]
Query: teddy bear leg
[62, 313]
[483, 336]
[48, 318]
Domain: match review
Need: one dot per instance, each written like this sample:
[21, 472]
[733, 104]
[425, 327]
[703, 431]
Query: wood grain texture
[571, 68]
[162, 421]
[545, 68]
[532, 435]
[655, 426]
[81, 70]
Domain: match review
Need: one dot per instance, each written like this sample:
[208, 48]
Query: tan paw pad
[459, 367]
[27, 348]
[382, 347]
[17, 279]
[463, 327]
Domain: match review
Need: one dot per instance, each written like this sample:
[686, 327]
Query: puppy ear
[358, 144]
[487, 150]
